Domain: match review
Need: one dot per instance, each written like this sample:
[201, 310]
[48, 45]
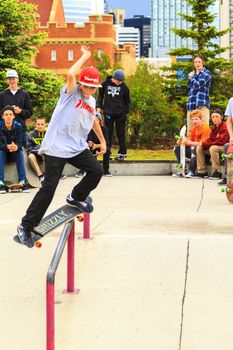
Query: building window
[100, 51]
[70, 55]
[53, 55]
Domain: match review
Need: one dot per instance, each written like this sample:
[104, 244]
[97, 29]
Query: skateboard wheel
[229, 190]
[223, 189]
[80, 218]
[38, 244]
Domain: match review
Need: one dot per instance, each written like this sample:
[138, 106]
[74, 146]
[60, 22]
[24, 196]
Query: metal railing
[67, 235]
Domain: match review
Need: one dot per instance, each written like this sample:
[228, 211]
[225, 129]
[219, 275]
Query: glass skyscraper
[164, 16]
[78, 11]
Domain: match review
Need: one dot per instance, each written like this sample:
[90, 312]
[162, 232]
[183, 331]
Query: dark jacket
[20, 99]
[9, 136]
[218, 136]
[34, 141]
[113, 99]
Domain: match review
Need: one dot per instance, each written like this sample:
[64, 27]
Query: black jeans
[120, 121]
[53, 171]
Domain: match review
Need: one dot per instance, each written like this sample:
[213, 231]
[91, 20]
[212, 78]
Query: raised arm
[75, 69]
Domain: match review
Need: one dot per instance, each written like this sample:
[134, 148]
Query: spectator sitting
[11, 147]
[213, 147]
[94, 145]
[199, 132]
[35, 139]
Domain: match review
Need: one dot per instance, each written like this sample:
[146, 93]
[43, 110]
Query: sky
[132, 7]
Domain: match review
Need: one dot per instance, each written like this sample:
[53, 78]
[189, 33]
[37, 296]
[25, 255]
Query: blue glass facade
[164, 16]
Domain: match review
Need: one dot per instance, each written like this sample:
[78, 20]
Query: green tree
[19, 37]
[18, 31]
[151, 115]
[205, 37]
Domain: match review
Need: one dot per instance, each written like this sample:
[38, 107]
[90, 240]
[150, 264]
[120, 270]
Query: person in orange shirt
[199, 132]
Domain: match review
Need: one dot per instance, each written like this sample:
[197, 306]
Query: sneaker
[223, 182]
[41, 178]
[178, 175]
[88, 199]
[216, 175]
[80, 173]
[2, 188]
[86, 207]
[107, 173]
[190, 174]
[200, 175]
[63, 176]
[121, 157]
[24, 237]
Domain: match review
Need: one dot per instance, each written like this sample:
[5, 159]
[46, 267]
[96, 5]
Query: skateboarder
[34, 141]
[65, 141]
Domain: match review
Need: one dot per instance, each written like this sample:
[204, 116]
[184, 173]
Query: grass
[143, 154]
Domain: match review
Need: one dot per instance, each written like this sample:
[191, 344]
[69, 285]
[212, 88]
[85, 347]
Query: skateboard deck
[50, 222]
[229, 185]
[180, 137]
[13, 187]
[32, 178]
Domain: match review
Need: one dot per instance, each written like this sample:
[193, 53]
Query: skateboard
[50, 222]
[32, 178]
[229, 186]
[180, 138]
[13, 187]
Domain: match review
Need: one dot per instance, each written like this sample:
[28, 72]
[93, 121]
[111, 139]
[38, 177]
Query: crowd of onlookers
[203, 142]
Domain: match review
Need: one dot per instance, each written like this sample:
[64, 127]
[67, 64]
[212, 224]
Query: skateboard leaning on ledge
[229, 185]
[50, 222]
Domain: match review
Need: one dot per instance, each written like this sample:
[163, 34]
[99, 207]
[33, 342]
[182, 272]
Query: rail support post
[70, 262]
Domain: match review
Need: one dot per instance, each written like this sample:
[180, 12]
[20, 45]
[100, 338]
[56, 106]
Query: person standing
[199, 82]
[65, 142]
[17, 98]
[114, 101]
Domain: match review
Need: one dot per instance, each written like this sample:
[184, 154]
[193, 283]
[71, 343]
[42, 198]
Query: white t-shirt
[71, 122]
[229, 109]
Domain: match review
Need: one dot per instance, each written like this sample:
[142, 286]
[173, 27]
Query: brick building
[62, 46]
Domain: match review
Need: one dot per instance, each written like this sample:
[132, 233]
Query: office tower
[78, 11]
[143, 24]
[164, 16]
[129, 35]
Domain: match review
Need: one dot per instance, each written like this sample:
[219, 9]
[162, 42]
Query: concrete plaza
[157, 275]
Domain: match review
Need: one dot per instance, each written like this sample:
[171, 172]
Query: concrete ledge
[125, 168]
[137, 168]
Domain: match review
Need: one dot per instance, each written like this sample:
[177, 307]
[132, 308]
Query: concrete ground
[157, 275]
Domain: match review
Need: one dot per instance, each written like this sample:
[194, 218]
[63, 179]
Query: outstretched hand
[85, 51]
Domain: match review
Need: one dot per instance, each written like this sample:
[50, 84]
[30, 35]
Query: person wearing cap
[213, 147]
[65, 142]
[19, 99]
[199, 82]
[94, 144]
[114, 101]
[11, 147]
